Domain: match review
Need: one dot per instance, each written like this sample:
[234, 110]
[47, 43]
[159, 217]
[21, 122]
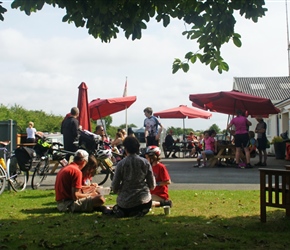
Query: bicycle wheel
[2, 179]
[103, 173]
[40, 173]
[17, 178]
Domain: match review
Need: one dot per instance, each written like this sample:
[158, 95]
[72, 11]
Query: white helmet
[103, 153]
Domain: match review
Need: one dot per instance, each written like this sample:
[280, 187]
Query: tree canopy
[210, 23]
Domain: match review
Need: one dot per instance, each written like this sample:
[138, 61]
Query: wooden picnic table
[225, 151]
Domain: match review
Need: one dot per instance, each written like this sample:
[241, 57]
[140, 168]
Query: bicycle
[46, 151]
[10, 171]
[103, 153]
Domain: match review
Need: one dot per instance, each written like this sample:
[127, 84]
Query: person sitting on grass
[132, 182]
[159, 194]
[89, 171]
[210, 147]
[69, 192]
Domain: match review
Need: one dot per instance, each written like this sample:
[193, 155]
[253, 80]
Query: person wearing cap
[69, 192]
[132, 182]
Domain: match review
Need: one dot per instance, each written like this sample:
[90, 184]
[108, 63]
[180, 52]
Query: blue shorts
[207, 152]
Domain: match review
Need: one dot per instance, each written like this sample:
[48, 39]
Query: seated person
[198, 147]
[159, 194]
[170, 144]
[252, 145]
[191, 139]
[117, 143]
[132, 182]
[89, 171]
[69, 192]
[210, 147]
[101, 132]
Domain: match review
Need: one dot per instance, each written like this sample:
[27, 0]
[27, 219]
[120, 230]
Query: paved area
[185, 176]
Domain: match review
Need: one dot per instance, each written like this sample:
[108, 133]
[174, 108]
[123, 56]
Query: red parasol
[100, 108]
[84, 117]
[183, 112]
[227, 102]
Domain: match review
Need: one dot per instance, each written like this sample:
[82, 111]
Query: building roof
[276, 89]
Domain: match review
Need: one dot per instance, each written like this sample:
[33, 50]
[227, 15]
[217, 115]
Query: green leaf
[237, 41]
[193, 58]
[175, 68]
[224, 66]
[188, 55]
[185, 67]
[213, 64]
[166, 20]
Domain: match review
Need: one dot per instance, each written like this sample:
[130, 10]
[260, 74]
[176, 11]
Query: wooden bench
[274, 190]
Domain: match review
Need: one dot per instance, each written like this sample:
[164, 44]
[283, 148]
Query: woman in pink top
[241, 124]
[210, 147]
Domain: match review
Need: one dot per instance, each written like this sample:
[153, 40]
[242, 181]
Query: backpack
[24, 156]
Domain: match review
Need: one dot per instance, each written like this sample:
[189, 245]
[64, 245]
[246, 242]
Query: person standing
[69, 129]
[31, 132]
[70, 194]
[151, 123]
[241, 124]
[262, 141]
[132, 182]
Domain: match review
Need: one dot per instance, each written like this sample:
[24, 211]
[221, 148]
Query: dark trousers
[138, 210]
[151, 141]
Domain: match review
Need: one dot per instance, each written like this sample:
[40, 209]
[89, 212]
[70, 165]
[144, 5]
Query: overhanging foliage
[212, 21]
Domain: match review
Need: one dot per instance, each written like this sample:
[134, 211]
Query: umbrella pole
[102, 121]
[183, 130]
[126, 119]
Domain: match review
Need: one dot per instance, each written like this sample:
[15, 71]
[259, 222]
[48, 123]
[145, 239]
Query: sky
[43, 61]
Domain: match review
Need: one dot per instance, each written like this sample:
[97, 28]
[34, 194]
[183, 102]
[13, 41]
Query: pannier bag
[42, 146]
[88, 140]
[24, 157]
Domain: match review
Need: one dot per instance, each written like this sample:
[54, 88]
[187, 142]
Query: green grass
[198, 220]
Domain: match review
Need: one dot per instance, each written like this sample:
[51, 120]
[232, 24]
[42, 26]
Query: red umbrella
[103, 107]
[84, 117]
[183, 112]
[227, 102]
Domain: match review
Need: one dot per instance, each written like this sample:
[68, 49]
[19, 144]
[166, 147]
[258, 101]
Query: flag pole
[126, 114]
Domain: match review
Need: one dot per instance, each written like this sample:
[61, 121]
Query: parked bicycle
[105, 156]
[46, 151]
[10, 170]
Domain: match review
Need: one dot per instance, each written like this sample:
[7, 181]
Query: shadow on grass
[46, 228]
[36, 224]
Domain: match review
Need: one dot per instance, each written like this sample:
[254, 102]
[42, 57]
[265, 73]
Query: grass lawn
[198, 220]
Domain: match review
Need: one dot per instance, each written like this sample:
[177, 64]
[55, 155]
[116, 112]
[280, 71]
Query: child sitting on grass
[159, 194]
[88, 172]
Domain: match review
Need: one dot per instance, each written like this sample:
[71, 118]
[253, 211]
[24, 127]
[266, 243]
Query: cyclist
[69, 194]
[160, 195]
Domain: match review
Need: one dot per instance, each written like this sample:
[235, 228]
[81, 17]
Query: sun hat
[82, 154]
